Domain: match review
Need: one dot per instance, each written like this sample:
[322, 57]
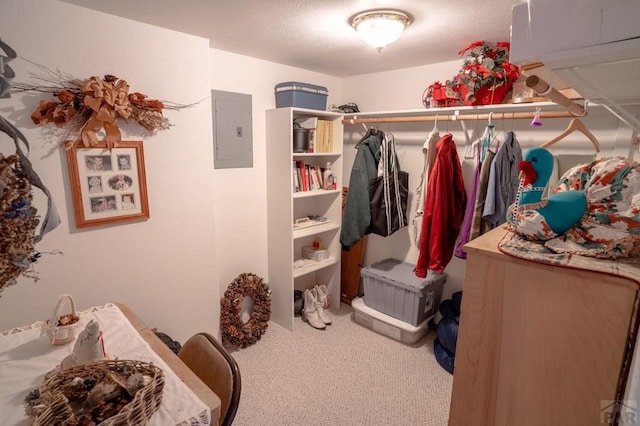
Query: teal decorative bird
[561, 210]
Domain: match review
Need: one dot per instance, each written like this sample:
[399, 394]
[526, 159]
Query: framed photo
[107, 185]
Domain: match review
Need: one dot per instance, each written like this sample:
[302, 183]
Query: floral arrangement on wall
[485, 77]
[86, 107]
[79, 109]
[19, 218]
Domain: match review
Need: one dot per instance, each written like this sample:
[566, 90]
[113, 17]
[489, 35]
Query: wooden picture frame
[108, 186]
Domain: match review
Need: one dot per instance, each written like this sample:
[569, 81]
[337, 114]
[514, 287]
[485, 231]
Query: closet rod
[543, 88]
[458, 117]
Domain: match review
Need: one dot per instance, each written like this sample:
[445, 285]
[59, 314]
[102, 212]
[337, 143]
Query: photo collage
[110, 183]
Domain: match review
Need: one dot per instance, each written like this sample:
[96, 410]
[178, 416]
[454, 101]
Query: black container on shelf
[301, 137]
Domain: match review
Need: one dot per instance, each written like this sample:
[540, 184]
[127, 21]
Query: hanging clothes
[429, 151]
[443, 210]
[480, 226]
[465, 230]
[503, 181]
[388, 192]
[356, 219]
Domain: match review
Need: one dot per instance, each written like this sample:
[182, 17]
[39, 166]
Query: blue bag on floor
[444, 358]
[444, 346]
[447, 332]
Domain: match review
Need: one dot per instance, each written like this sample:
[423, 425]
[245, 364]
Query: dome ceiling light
[380, 27]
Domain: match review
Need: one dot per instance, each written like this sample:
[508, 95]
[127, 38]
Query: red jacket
[444, 207]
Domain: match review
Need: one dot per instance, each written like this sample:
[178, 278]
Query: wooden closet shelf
[457, 117]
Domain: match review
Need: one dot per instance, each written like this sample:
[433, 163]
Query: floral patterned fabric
[610, 227]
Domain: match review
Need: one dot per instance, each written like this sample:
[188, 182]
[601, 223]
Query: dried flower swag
[85, 107]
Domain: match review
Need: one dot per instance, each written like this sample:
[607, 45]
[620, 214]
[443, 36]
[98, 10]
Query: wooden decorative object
[234, 330]
[107, 185]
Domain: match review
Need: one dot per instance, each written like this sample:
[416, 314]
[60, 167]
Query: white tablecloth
[25, 357]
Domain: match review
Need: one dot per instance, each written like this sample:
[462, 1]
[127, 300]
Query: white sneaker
[310, 311]
[322, 302]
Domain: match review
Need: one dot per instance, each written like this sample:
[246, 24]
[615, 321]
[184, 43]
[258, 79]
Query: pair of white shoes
[315, 303]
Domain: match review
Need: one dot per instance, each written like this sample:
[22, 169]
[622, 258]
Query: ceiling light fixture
[380, 27]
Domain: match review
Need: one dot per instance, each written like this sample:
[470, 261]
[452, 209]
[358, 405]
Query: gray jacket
[357, 214]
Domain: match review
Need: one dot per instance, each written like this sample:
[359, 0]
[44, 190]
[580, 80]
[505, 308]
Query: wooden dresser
[538, 344]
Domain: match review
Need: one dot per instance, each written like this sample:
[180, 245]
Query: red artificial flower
[485, 65]
[471, 47]
[479, 69]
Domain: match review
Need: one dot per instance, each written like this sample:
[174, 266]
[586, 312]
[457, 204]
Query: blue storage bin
[301, 95]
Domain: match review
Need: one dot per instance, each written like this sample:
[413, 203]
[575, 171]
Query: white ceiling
[316, 35]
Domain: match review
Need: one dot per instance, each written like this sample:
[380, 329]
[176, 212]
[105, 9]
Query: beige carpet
[344, 375]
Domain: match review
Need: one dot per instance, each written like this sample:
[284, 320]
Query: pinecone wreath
[234, 330]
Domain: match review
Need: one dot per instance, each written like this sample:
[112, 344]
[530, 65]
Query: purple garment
[465, 231]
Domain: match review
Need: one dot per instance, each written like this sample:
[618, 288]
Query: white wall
[396, 90]
[240, 195]
[402, 90]
[164, 268]
[207, 226]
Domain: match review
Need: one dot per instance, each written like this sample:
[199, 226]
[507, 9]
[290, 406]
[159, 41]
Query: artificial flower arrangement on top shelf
[484, 79]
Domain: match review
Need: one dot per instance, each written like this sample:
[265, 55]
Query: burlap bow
[108, 99]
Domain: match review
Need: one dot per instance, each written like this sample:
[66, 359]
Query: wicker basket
[64, 401]
[64, 312]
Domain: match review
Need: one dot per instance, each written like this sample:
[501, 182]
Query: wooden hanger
[574, 124]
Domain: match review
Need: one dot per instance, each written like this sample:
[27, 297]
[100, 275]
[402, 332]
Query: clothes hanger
[633, 146]
[574, 124]
[487, 137]
[434, 131]
[467, 138]
[471, 151]
[500, 132]
[371, 130]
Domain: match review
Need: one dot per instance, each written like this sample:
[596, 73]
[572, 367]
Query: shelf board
[306, 112]
[316, 154]
[478, 109]
[316, 192]
[316, 266]
[313, 230]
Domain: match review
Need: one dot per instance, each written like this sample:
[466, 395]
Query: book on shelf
[295, 178]
[324, 136]
[320, 136]
[303, 175]
[317, 177]
[307, 177]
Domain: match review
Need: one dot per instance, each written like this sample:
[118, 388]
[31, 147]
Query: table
[25, 357]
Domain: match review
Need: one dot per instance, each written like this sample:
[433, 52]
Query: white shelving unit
[285, 206]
